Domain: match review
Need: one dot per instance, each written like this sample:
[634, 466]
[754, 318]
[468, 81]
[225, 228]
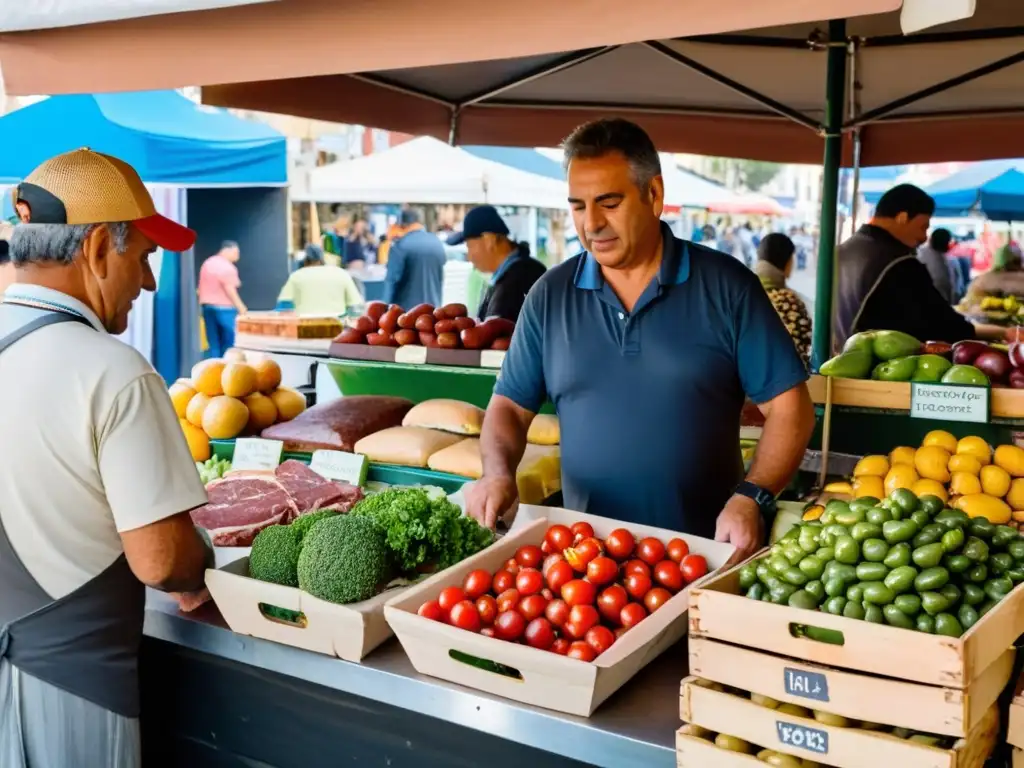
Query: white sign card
[256, 453]
[340, 465]
[949, 402]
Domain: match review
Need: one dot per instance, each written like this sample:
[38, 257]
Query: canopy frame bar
[882, 41]
[407, 90]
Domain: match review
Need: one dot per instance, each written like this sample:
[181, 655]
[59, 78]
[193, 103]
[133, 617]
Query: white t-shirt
[89, 445]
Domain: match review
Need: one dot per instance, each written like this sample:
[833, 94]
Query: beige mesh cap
[86, 187]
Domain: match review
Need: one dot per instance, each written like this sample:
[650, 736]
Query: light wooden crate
[720, 612]
[541, 678]
[1015, 723]
[1018, 757]
[895, 395]
[842, 747]
[349, 632]
[692, 752]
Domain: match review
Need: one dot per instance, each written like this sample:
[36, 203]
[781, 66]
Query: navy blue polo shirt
[649, 401]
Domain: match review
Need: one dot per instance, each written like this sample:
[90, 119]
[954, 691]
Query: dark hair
[777, 249]
[228, 244]
[940, 240]
[5, 252]
[905, 198]
[602, 137]
[524, 248]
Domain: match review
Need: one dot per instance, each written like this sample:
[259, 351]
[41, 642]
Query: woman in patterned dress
[775, 256]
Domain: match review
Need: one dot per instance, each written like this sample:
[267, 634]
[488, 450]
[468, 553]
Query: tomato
[431, 610]
[502, 580]
[557, 612]
[539, 634]
[693, 567]
[620, 543]
[449, 597]
[611, 602]
[582, 530]
[558, 574]
[632, 615]
[650, 550]
[579, 592]
[512, 566]
[638, 585]
[464, 616]
[549, 561]
[602, 570]
[677, 550]
[558, 537]
[487, 607]
[581, 618]
[545, 547]
[582, 651]
[600, 639]
[529, 556]
[532, 606]
[509, 625]
[560, 646]
[656, 598]
[508, 600]
[668, 575]
[477, 583]
[529, 581]
[581, 554]
[635, 566]
[488, 632]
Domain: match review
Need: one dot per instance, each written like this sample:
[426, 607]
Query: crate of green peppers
[901, 587]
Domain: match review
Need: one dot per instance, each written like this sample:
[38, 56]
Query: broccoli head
[344, 559]
[275, 556]
[303, 524]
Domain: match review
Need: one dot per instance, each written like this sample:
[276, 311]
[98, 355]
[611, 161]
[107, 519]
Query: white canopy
[426, 170]
[17, 15]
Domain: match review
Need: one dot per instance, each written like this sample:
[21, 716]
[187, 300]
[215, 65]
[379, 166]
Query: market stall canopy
[994, 188]
[166, 137]
[751, 204]
[685, 189]
[429, 171]
[47, 14]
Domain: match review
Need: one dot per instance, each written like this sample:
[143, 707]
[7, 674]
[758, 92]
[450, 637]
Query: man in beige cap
[96, 481]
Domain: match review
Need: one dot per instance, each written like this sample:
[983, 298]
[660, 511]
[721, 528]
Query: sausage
[500, 326]
[439, 314]
[424, 323]
[365, 324]
[462, 323]
[407, 336]
[408, 320]
[375, 309]
[501, 342]
[399, 307]
[448, 340]
[476, 337]
[452, 311]
[351, 335]
[381, 339]
[428, 339]
[444, 326]
[389, 320]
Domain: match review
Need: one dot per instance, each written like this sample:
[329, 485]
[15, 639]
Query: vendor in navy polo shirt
[646, 345]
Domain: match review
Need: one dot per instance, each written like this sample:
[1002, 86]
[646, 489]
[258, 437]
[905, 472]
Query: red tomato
[632, 614]
[508, 600]
[487, 607]
[464, 616]
[656, 598]
[582, 618]
[620, 543]
[477, 583]
[539, 634]
[650, 550]
[602, 570]
[668, 575]
[558, 574]
[509, 625]
[677, 550]
[431, 610]
[545, 547]
[579, 592]
[600, 639]
[488, 632]
[532, 606]
[558, 537]
[550, 560]
[693, 567]
[560, 646]
[502, 580]
[529, 581]
[547, 594]
[634, 566]
[449, 597]
[581, 554]
[611, 602]
[582, 651]
[512, 566]
[582, 530]
[529, 556]
[638, 585]
[557, 612]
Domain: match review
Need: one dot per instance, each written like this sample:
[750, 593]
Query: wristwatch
[764, 498]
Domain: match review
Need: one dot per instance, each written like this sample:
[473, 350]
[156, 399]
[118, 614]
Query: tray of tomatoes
[560, 613]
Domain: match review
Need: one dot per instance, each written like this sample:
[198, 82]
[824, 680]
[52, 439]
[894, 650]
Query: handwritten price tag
[492, 358]
[256, 453]
[949, 402]
[411, 354]
[339, 465]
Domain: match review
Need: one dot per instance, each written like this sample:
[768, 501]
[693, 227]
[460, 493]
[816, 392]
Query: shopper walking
[218, 297]
[415, 265]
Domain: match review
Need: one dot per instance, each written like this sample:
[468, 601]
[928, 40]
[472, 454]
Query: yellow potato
[942, 439]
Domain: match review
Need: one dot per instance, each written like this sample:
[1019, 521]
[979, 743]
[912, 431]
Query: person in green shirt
[317, 288]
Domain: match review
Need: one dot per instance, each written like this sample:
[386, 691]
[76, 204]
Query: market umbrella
[994, 188]
[751, 204]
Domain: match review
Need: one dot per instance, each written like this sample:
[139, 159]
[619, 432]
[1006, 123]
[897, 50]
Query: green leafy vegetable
[303, 524]
[275, 556]
[344, 559]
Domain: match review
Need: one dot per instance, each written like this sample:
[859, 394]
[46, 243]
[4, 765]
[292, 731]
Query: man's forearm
[502, 442]
[780, 450]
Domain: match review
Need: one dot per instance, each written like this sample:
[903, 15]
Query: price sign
[949, 402]
[256, 453]
[802, 737]
[411, 354]
[492, 358]
[340, 465]
[810, 685]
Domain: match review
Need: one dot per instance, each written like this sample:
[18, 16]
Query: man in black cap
[493, 252]
[415, 265]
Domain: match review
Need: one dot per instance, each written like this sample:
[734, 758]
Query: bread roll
[408, 446]
[452, 416]
[538, 476]
[544, 430]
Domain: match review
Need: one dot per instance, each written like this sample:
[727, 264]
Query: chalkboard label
[809, 685]
[802, 737]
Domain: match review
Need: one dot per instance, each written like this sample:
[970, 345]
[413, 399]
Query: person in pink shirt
[219, 299]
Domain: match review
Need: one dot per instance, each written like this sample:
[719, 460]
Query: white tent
[429, 171]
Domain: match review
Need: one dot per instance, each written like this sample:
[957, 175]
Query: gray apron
[69, 691]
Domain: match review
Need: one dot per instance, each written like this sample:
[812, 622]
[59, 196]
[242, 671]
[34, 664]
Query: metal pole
[835, 85]
[854, 110]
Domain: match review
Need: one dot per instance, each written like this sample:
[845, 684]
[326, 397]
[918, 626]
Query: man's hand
[489, 498]
[741, 525]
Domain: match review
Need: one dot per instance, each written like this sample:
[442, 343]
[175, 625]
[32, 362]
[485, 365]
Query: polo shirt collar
[504, 266]
[49, 299]
[674, 270]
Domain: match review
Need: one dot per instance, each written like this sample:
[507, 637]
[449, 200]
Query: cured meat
[311, 491]
[242, 505]
[339, 424]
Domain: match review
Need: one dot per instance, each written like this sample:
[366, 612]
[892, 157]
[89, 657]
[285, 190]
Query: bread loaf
[544, 430]
[452, 416]
[408, 446]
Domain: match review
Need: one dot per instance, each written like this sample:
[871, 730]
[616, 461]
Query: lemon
[972, 445]
[1015, 497]
[935, 488]
[872, 465]
[181, 393]
[942, 439]
[900, 476]
[931, 461]
[1010, 458]
[964, 462]
[198, 442]
[868, 485]
[902, 455]
[992, 509]
[964, 483]
[995, 481]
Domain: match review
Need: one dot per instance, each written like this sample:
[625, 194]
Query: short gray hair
[59, 243]
[601, 137]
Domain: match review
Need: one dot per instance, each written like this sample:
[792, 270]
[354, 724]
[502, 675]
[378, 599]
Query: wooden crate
[692, 752]
[349, 632]
[919, 707]
[1015, 722]
[721, 612]
[842, 747]
[542, 678]
[1018, 757]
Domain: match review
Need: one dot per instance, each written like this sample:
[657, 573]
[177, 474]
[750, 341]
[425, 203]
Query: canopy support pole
[835, 87]
[854, 109]
[453, 127]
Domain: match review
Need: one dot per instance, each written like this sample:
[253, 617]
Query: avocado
[897, 369]
[888, 345]
[861, 342]
[965, 374]
[855, 364]
[931, 368]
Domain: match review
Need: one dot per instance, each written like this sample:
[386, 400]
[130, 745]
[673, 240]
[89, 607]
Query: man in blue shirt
[415, 265]
[646, 345]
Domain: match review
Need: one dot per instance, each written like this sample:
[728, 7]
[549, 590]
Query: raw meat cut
[242, 505]
[311, 491]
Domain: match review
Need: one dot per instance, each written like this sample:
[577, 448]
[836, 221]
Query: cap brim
[168, 234]
[457, 238]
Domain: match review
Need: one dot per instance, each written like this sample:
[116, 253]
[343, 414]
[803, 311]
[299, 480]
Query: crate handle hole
[280, 615]
[486, 665]
[818, 634]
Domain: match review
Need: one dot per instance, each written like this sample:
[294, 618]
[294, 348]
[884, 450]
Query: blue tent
[993, 187]
[876, 181]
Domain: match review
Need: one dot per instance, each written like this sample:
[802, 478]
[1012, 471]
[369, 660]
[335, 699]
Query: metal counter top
[635, 727]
